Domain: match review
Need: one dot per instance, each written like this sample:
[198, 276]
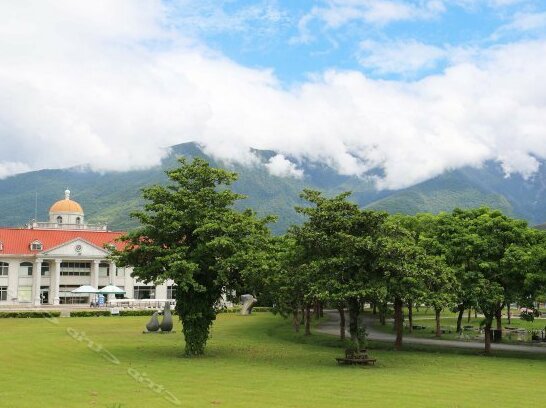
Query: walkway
[332, 327]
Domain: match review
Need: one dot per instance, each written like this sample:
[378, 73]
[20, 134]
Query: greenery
[34, 314]
[112, 196]
[256, 361]
[191, 234]
[90, 313]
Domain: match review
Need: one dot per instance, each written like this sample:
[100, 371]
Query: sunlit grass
[252, 361]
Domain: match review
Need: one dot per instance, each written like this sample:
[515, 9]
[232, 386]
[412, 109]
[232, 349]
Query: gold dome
[66, 206]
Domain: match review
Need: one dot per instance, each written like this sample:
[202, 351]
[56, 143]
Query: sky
[412, 88]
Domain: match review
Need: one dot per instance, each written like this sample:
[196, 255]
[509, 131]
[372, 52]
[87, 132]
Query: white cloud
[110, 84]
[399, 57]
[9, 168]
[336, 13]
[280, 166]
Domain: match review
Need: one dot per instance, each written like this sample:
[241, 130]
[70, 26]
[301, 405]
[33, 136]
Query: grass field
[253, 361]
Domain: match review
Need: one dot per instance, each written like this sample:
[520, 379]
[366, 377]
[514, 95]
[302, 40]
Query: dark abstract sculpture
[248, 302]
[153, 324]
[167, 322]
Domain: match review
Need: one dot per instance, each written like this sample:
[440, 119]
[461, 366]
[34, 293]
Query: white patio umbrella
[85, 289]
[111, 290]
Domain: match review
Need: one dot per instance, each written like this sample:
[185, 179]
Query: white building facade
[43, 263]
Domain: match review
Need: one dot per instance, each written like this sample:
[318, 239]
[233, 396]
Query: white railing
[54, 225]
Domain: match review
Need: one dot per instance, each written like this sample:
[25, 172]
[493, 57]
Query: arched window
[104, 269]
[36, 246]
[4, 267]
[78, 220]
[59, 220]
[1, 246]
[25, 269]
[45, 268]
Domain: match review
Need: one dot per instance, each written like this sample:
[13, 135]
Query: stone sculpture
[248, 302]
[167, 322]
[153, 324]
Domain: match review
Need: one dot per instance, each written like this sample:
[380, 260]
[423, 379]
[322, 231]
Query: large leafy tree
[191, 233]
[339, 244]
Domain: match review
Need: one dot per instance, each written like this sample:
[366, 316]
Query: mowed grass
[253, 361]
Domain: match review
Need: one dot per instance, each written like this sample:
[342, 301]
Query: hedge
[7, 315]
[90, 313]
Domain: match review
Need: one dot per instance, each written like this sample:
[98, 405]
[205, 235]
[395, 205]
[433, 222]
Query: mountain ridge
[111, 196]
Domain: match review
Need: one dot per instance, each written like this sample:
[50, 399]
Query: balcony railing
[54, 225]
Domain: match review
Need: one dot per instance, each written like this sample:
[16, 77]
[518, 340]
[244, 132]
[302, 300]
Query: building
[43, 263]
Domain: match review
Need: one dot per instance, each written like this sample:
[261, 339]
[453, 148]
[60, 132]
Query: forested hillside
[110, 197]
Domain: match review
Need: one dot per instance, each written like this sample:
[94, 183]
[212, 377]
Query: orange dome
[66, 206]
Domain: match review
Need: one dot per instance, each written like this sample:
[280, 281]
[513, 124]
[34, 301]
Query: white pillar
[56, 278]
[13, 280]
[95, 274]
[112, 273]
[37, 282]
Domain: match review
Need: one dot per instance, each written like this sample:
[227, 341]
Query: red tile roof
[16, 241]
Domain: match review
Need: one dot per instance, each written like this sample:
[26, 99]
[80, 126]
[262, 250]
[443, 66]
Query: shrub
[527, 316]
[90, 313]
[33, 314]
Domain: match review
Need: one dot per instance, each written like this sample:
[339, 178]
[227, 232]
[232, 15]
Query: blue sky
[401, 89]
[296, 38]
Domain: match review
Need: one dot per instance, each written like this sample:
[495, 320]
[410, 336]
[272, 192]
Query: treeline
[341, 255]
[345, 257]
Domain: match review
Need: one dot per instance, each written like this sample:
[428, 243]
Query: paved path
[331, 326]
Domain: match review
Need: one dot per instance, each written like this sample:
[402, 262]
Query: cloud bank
[112, 84]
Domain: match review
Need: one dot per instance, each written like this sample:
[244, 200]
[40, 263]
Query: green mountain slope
[111, 196]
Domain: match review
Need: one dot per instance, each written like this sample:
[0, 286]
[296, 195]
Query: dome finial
[67, 194]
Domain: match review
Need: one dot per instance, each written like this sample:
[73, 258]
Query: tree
[339, 246]
[191, 234]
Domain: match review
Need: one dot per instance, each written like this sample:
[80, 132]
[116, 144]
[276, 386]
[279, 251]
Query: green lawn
[252, 361]
[448, 322]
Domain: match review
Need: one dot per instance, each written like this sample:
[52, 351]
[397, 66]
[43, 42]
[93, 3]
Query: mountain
[111, 196]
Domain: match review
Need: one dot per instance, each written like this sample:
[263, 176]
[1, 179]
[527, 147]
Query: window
[78, 220]
[4, 268]
[75, 268]
[59, 220]
[3, 293]
[104, 269]
[1, 246]
[45, 268]
[25, 270]
[144, 292]
[67, 297]
[171, 292]
[24, 294]
[120, 272]
[36, 246]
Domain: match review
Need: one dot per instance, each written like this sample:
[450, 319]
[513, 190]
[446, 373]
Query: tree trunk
[509, 313]
[307, 320]
[469, 312]
[475, 313]
[410, 316]
[316, 312]
[498, 317]
[341, 312]
[382, 311]
[398, 322]
[437, 317]
[460, 318]
[296, 322]
[354, 314]
[321, 309]
[303, 314]
[374, 309]
[488, 336]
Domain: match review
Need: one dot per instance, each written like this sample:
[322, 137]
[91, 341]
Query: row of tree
[341, 256]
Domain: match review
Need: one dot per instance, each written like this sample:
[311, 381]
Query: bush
[527, 316]
[90, 313]
[33, 314]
